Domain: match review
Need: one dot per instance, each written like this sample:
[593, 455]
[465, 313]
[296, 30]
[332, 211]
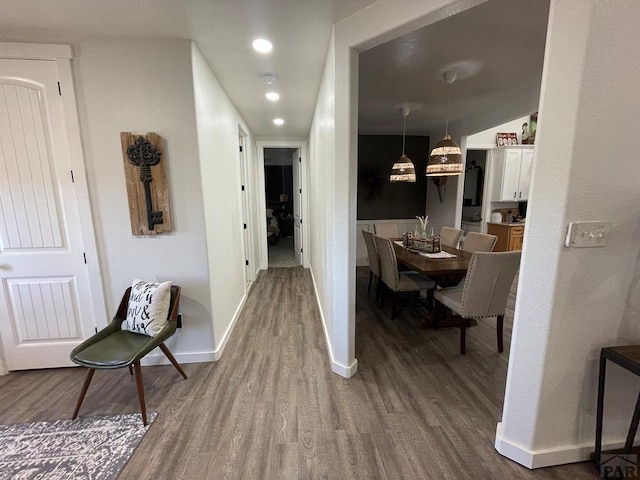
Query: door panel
[43, 309]
[45, 299]
[31, 214]
[510, 174]
[297, 206]
[525, 174]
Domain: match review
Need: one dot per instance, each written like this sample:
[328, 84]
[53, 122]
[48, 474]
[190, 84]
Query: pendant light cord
[404, 125]
[446, 128]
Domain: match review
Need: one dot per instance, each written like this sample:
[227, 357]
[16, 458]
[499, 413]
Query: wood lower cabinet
[509, 235]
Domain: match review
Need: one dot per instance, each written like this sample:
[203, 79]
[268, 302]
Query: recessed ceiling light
[261, 45]
[278, 121]
[273, 96]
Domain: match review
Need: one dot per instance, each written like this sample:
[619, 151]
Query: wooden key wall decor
[147, 183]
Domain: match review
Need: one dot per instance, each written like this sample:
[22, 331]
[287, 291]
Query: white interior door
[297, 206]
[248, 275]
[45, 300]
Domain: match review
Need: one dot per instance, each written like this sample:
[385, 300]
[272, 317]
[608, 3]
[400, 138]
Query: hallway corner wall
[217, 142]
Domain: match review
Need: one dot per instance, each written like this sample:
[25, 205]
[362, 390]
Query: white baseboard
[225, 338]
[201, 357]
[189, 357]
[547, 457]
[346, 371]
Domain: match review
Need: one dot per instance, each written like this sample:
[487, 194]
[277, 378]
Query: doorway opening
[474, 193]
[278, 184]
[282, 172]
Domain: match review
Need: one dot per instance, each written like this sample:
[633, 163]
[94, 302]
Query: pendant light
[446, 158]
[403, 170]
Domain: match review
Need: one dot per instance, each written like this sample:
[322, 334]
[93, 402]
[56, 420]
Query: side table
[628, 357]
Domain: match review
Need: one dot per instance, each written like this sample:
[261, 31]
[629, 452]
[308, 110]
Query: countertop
[509, 224]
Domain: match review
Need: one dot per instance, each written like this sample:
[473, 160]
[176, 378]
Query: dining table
[445, 272]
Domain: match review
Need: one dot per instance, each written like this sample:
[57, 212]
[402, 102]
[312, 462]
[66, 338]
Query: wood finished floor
[271, 408]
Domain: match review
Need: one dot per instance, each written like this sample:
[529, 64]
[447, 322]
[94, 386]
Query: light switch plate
[587, 234]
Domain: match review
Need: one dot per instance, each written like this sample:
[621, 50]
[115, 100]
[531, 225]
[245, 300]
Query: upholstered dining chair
[386, 230]
[484, 293]
[396, 281]
[374, 260]
[450, 236]
[479, 242]
[113, 347]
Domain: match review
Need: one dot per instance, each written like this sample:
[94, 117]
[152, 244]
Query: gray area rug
[95, 448]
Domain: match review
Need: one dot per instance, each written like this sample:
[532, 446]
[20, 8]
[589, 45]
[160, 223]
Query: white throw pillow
[148, 307]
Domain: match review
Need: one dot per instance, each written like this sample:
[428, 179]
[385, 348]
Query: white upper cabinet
[512, 173]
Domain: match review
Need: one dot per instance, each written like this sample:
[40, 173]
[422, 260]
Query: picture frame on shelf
[506, 139]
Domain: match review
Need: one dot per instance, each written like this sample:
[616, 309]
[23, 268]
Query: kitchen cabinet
[510, 236]
[512, 173]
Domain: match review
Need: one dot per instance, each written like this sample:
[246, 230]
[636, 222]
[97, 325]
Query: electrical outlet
[179, 321]
[587, 234]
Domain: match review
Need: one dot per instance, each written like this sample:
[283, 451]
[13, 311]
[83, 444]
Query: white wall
[217, 142]
[487, 138]
[572, 302]
[144, 85]
[325, 242]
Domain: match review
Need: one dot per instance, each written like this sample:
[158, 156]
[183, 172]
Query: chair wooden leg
[172, 359]
[130, 370]
[430, 302]
[463, 336]
[370, 279]
[83, 392]
[394, 305]
[140, 387]
[499, 329]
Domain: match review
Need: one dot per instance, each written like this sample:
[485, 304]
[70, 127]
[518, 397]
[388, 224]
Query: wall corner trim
[35, 51]
[343, 370]
[547, 457]
[346, 371]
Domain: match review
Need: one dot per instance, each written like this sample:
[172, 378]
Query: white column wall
[572, 302]
[324, 217]
[217, 143]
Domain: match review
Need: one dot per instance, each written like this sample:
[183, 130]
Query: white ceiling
[503, 40]
[223, 30]
[498, 48]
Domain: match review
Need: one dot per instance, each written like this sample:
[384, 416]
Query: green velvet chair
[113, 348]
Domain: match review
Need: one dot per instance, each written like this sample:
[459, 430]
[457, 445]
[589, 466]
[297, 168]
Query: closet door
[45, 296]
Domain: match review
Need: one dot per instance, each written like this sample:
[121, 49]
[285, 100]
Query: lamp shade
[403, 171]
[445, 159]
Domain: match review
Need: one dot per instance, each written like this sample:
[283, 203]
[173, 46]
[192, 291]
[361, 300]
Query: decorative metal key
[144, 155]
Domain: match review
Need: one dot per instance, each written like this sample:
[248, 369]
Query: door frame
[62, 55]
[262, 200]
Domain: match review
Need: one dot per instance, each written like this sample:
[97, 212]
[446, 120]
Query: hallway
[272, 409]
[282, 254]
